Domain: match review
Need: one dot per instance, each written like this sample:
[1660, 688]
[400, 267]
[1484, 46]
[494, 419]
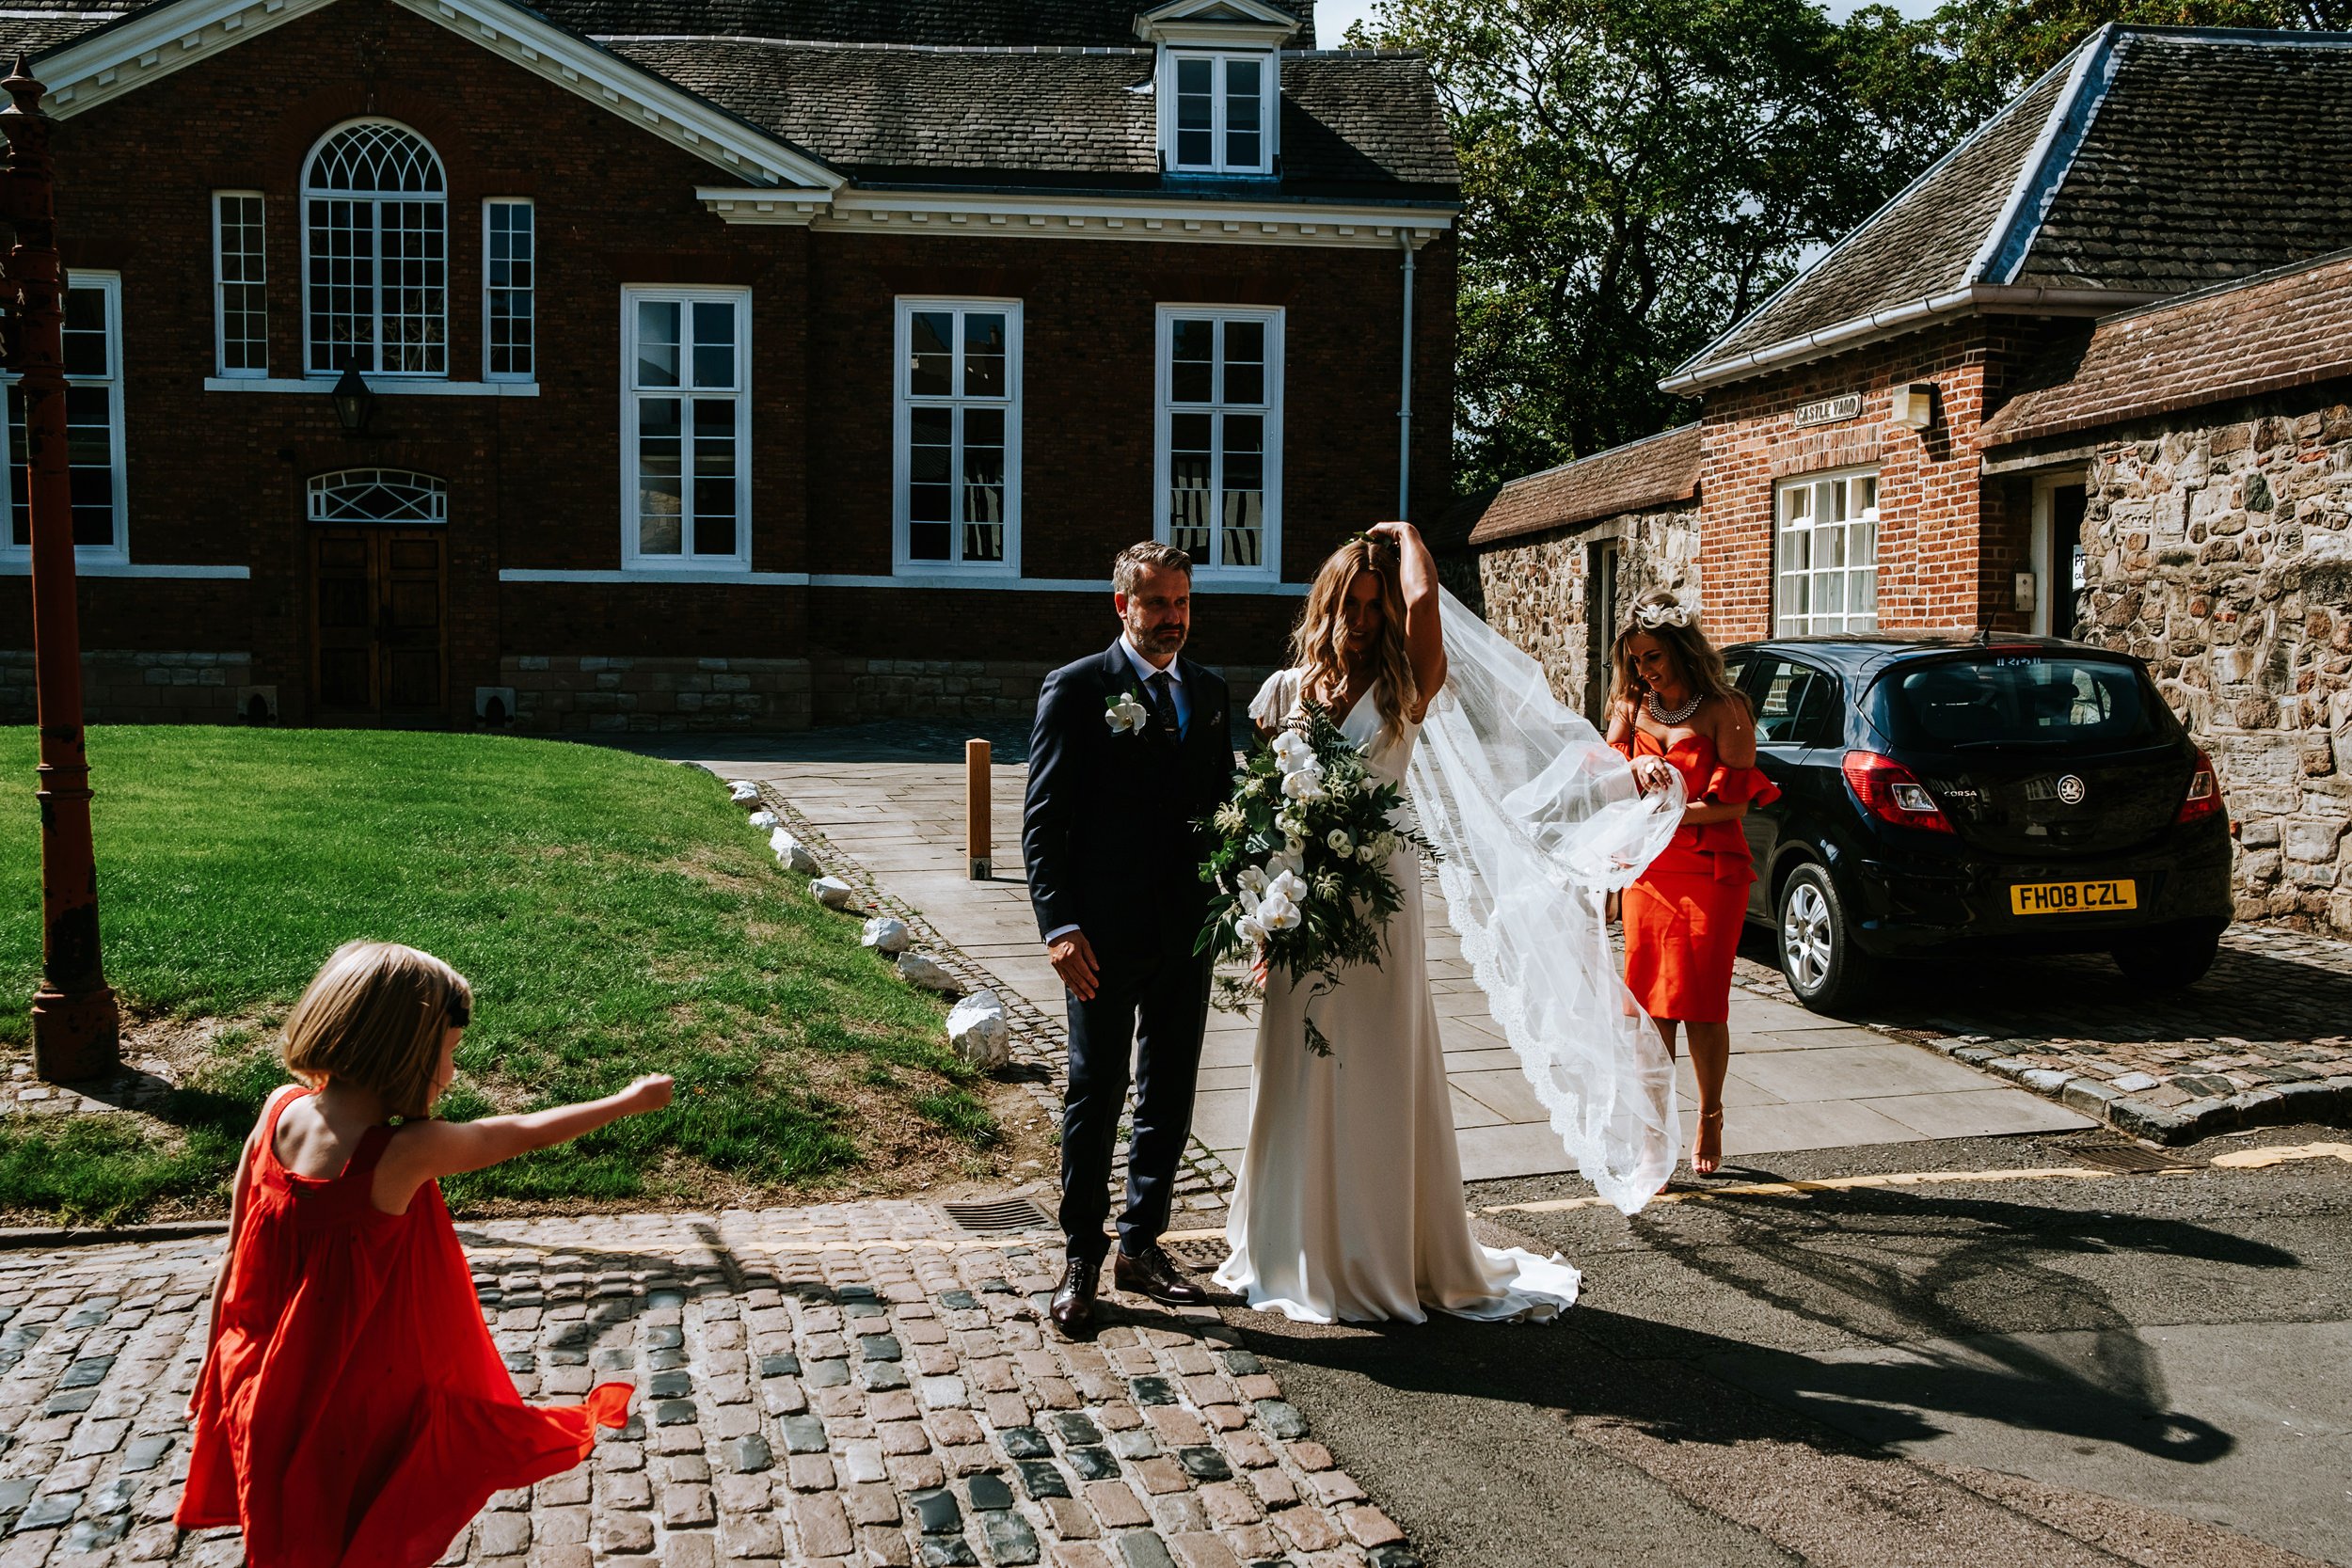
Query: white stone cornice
[154, 44]
[1100, 217]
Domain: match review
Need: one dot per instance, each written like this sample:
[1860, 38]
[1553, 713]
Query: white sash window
[685, 436]
[957, 461]
[1825, 555]
[1221, 436]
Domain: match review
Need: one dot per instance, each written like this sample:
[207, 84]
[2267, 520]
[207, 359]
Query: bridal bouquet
[1301, 864]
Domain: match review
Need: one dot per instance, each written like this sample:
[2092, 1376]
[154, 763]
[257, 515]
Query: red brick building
[726, 365]
[1844, 480]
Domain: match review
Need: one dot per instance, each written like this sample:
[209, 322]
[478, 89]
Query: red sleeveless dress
[1683, 916]
[353, 1412]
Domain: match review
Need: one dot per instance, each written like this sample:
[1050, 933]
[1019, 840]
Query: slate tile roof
[1045, 23]
[1028, 118]
[2283, 329]
[32, 27]
[2206, 162]
[2148, 162]
[1655, 472]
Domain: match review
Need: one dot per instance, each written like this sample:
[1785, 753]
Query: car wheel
[1816, 950]
[2168, 960]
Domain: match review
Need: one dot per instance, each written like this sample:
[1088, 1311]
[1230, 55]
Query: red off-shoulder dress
[1682, 917]
[353, 1412]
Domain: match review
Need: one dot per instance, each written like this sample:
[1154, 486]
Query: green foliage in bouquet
[1301, 864]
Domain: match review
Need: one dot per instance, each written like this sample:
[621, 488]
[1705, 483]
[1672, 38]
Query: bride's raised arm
[1424, 641]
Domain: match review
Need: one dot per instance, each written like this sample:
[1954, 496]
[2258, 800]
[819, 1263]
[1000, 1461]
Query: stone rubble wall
[2221, 554]
[1535, 590]
[128, 687]
[587, 693]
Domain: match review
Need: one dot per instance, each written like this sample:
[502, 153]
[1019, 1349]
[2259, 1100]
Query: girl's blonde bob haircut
[374, 1016]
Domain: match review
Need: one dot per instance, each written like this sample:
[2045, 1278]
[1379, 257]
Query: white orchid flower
[1293, 752]
[1254, 878]
[1278, 914]
[1289, 887]
[1304, 785]
[1289, 863]
[1247, 899]
[1248, 928]
[1125, 713]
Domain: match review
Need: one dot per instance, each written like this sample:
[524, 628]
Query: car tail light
[1889, 792]
[2204, 792]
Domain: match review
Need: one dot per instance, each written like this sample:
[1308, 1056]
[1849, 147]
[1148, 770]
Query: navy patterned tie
[1163, 707]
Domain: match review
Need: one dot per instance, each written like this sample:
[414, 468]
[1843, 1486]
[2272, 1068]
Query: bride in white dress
[1349, 1203]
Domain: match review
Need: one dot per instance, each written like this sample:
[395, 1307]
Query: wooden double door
[380, 624]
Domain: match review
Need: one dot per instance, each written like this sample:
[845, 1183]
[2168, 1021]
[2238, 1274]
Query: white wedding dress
[1349, 1202]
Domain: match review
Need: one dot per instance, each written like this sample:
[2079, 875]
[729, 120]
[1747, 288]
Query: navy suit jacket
[1112, 830]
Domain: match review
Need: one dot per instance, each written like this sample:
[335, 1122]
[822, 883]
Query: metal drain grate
[2130, 1158]
[1203, 1257]
[998, 1215]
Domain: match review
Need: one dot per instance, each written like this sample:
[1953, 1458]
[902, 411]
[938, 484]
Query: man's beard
[1165, 639]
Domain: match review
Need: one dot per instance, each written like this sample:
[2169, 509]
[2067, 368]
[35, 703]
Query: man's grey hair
[1150, 556]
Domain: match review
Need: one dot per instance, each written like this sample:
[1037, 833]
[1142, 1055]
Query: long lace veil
[1536, 818]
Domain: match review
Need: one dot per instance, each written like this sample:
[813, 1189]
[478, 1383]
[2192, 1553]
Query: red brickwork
[218, 477]
[1947, 546]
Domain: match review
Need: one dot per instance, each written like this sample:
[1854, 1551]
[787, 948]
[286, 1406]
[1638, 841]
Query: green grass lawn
[614, 914]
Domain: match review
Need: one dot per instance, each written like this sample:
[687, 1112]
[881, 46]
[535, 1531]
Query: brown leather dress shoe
[1151, 1273]
[1074, 1300]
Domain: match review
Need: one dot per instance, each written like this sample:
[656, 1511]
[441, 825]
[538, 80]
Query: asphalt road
[2147, 1369]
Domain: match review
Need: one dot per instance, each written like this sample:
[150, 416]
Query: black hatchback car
[2023, 795]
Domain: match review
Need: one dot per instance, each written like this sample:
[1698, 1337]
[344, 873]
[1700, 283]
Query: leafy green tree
[1637, 175]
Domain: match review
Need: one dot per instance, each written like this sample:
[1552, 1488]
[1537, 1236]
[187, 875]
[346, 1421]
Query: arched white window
[375, 252]
[378, 496]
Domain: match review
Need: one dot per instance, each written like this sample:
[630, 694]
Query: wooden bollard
[978, 847]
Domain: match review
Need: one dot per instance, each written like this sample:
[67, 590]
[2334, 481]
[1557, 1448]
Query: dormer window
[1218, 83]
[1222, 112]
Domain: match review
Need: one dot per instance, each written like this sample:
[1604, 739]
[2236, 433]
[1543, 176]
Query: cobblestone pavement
[2261, 1039]
[835, 1386]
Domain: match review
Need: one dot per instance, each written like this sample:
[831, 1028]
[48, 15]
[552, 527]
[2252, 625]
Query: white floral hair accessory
[1674, 613]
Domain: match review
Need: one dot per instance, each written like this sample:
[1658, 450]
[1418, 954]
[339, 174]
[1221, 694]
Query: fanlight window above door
[378, 496]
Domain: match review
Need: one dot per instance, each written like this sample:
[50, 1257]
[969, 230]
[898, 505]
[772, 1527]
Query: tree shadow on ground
[1926, 1299]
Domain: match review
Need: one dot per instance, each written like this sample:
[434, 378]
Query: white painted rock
[791, 853]
[832, 891]
[977, 1031]
[742, 792]
[885, 935]
[917, 969]
[763, 820]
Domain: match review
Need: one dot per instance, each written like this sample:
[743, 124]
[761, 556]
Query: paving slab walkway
[1798, 1079]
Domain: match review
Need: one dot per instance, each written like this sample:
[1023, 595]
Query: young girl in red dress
[1671, 709]
[353, 1412]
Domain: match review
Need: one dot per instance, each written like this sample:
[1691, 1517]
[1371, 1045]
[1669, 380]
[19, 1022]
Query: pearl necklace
[1675, 716]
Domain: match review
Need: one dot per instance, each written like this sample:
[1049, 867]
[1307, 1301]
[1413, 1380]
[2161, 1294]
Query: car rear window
[2034, 699]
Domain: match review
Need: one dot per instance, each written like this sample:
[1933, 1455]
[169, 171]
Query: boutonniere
[1125, 713]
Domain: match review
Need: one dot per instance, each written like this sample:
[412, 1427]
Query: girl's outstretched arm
[427, 1150]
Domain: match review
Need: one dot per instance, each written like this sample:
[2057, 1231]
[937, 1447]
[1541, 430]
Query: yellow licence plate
[2073, 897]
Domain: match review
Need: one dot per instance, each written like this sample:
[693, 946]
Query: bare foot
[1706, 1153]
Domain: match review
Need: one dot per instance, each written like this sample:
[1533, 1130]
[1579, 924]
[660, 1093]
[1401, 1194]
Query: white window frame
[901, 436]
[1270, 548]
[530, 293]
[1269, 109]
[1789, 623]
[311, 318]
[685, 294]
[222, 283]
[119, 552]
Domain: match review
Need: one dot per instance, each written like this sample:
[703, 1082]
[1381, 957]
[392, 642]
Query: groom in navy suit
[1131, 752]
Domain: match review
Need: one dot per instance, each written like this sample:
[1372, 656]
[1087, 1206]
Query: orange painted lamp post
[76, 1031]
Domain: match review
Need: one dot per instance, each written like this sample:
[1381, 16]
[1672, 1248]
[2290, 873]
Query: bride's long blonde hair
[1319, 642]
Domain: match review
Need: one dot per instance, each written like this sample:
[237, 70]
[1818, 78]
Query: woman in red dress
[353, 1411]
[1672, 710]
